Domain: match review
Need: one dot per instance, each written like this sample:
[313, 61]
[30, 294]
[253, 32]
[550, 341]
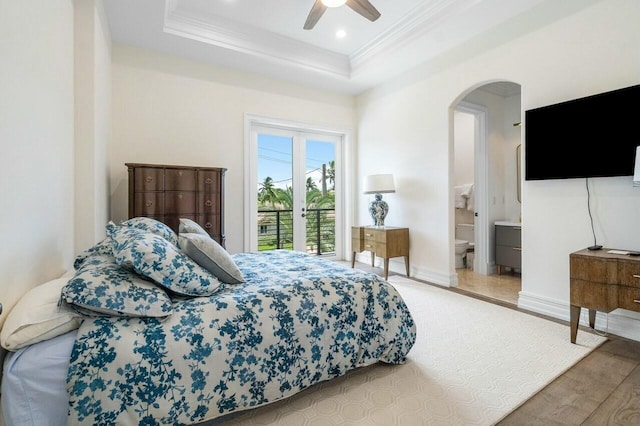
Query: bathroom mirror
[518, 172]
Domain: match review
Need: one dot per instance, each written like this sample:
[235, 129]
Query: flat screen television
[594, 136]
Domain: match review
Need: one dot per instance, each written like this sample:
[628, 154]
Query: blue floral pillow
[154, 226]
[103, 247]
[154, 257]
[102, 287]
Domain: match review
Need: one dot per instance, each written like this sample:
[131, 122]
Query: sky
[275, 159]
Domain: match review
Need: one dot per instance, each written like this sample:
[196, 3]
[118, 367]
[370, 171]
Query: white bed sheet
[34, 383]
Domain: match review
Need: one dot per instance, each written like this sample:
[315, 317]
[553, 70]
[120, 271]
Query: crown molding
[415, 24]
[216, 31]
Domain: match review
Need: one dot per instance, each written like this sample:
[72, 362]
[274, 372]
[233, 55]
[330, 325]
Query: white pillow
[36, 317]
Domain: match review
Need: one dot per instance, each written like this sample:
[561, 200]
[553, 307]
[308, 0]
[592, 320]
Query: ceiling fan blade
[364, 8]
[314, 15]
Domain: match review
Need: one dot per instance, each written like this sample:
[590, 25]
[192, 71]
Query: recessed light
[341, 34]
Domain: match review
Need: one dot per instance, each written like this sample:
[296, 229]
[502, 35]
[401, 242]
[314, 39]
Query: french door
[297, 194]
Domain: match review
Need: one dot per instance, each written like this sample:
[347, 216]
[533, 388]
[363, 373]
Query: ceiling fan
[363, 7]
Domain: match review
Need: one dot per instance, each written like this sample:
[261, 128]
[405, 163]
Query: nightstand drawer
[629, 298]
[629, 273]
[375, 235]
[593, 269]
[378, 248]
[601, 297]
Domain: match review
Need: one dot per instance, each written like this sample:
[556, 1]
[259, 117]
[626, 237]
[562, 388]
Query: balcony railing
[275, 230]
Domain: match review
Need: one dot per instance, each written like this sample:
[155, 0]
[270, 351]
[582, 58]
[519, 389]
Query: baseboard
[619, 322]
[397, 265]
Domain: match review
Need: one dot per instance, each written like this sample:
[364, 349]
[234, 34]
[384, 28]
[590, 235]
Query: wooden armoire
[168, 193]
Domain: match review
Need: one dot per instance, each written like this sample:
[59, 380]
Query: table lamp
[378, 185]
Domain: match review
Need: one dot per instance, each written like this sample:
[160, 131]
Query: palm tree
[311, 185]
[267, 192]
[331, 173]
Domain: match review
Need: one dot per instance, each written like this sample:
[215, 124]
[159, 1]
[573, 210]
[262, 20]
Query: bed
[277, 323]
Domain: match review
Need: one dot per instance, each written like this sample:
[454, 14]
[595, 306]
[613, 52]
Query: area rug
[473, 363]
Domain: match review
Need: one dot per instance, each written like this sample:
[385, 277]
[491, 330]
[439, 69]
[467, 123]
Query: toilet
[464, 243]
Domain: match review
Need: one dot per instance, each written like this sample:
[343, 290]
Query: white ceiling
[266, 36]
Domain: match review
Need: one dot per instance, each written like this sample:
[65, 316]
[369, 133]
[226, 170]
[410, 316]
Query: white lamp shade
[636, 171]
[379, 184]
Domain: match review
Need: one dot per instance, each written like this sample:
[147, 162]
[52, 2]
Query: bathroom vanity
[508, 245]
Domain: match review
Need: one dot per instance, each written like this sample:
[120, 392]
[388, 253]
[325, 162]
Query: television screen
[594, 136]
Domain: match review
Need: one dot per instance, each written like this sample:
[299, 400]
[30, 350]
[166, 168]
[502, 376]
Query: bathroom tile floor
[503, 287]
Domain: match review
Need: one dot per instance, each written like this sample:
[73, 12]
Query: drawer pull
[208, 225]
[517, 248]
[149, 203]
[636, 276]
[149, 179]
[368, 235]
[368, 245]
[208, 181]
[637, 301]
[180, 196]
[208, 203]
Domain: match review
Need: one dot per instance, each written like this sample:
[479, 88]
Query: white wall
[92, 122]
[169, 110]
[591, 47]
[36, 133]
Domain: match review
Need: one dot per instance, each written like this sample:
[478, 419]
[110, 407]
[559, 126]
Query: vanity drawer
[509, 236]
[509, 256]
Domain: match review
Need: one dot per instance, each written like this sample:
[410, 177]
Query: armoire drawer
[209, 181]
[149, 179]
[180, 180]
[149, 204]
[179, 202]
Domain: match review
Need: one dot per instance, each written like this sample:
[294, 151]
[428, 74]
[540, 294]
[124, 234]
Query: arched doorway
[495, 111]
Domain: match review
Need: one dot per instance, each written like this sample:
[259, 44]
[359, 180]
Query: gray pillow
[188, 226]
[206, 252]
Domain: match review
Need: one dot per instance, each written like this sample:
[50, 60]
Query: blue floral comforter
[296, 321]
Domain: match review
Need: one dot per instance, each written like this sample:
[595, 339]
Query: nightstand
[385, 242]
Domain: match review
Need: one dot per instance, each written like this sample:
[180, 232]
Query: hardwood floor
[602, 389]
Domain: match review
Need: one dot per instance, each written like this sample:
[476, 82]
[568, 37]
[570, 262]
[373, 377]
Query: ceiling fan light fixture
[333, 3]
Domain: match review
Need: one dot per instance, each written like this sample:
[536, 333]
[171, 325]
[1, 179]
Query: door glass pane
[275, 192]
[320, 197]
